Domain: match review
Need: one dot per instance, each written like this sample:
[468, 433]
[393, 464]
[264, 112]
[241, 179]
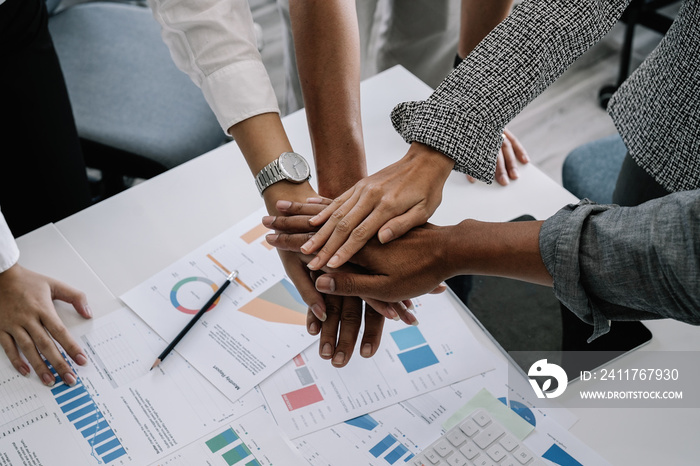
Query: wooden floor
[563, 117]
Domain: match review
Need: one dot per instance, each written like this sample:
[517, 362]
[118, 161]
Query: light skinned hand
[415, 264]
[29, 323]
[388, 203]
[510, 153]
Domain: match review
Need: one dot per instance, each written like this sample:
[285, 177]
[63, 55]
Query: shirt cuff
[560, 238]
[9, 252]
[449, 129]
[239, 91]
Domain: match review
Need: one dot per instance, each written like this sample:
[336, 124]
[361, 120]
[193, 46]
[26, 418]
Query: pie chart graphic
[190, 294]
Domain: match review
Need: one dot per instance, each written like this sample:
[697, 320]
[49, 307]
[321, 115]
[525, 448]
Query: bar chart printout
[82, 412]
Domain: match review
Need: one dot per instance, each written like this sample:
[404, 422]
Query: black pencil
[232, 276]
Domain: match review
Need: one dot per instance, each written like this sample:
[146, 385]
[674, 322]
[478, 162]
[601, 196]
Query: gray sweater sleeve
[626, 263]
[520, 58]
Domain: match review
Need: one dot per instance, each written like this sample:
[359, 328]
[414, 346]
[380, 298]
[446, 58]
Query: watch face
[294, 166]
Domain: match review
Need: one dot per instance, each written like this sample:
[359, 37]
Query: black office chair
[639, 12]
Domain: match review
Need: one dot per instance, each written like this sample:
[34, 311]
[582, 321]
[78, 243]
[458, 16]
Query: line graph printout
[309, 394]
[118, 412]
[255, 326]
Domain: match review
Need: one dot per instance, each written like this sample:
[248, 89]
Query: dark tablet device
[525, 319]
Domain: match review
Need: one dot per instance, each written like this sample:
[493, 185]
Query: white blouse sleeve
[9, 253]
[213, 41]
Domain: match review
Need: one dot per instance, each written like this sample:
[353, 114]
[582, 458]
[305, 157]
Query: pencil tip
[155, 364]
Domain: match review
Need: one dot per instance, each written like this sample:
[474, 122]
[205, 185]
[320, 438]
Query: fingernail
[48, 379]
[80, 359]
[314, 200]
[305, 247]
[271, 238]
[88, 310]
[393, 314]
[503, 179]
[319, 313]
[526, 158]
[24, 370]
[515, 173]
[410, 306]
[327, 350]
[69, 378]
[283, 205]
[334, 261]
[385, 235]
[412, 318]
[313, 328]
[366, 350]
[313, 219]
[325, 284]
[313, 265]
[268, 220]
[339, 359]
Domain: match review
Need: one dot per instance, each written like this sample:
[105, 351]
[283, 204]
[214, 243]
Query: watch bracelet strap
[269, 175]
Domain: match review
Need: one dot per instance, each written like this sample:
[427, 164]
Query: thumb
[398, 226]
[68, 294]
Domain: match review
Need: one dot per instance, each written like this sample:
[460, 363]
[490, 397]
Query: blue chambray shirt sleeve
[626, 263]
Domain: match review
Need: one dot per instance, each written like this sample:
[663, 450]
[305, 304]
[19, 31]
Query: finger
[288, 208]
[30, 347]
[385, 309]
[319, 200]
[509, 160]
[294, 224]
[287, 242]
[47, 347]
[399, 226]
[350, 322]
[60, 333]
[305, 286]
[337, 213]
[313, 324]
[471, 179]
[356, 223]
[335, 204]
[372, 335]
[68, 294]
[501, 173]
[441, 288]
[12, 353]
[329, 328]
[518, 148]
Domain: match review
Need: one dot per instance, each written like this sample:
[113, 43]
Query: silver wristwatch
[289, 166]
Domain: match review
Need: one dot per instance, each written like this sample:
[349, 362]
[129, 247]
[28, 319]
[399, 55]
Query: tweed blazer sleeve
[520, 58]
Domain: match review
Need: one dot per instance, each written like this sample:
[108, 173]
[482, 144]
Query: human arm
[465, 116]
[327, 47]
[28, 318]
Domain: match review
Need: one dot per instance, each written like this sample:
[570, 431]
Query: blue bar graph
[408, 458]
[408, 338]
[418, 358]
[365, 422]
[80, 409]
[395, 454]
[382, 446]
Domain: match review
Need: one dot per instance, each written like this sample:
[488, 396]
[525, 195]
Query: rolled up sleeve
[626, 263]
[213, 41]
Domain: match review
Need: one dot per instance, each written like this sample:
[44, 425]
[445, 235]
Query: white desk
[128, 238]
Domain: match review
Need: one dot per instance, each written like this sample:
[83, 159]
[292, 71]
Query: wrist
[287, 191]
[430, 159]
